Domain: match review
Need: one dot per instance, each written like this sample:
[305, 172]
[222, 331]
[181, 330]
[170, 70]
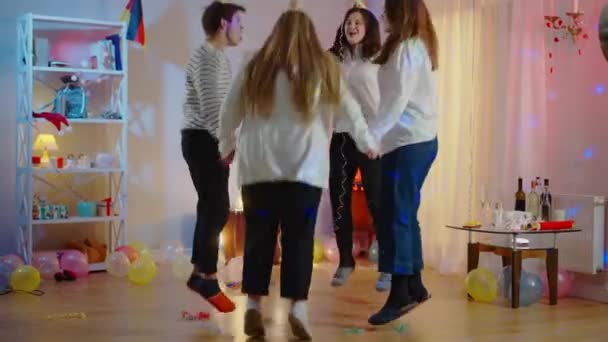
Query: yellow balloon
[317, 255]
[139, 246]
[25, 278]
[145, 254]
[142, 271]
[481, 284]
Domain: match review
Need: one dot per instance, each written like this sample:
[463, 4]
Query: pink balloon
[75, 261]
[12, 261]
[331, 250]
[357, 248]
[564, 284]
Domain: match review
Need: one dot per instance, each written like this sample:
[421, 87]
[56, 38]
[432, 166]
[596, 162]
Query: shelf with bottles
[55, 212]
[74, 43]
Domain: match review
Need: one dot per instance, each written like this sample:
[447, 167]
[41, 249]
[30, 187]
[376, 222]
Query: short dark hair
[214, 13]
[371, 43]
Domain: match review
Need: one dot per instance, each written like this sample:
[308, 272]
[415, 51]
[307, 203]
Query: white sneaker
[341, 276]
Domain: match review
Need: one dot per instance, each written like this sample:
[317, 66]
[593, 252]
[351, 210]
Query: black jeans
[345, 159]
[294, 207]
[210, 178]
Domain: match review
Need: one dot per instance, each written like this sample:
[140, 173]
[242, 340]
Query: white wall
[161, 197]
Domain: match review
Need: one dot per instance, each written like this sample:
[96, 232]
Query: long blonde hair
[294, 48]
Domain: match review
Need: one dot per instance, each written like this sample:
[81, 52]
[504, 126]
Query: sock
[253, 303]
[209, 287]
[210, 290]
[300, 310]
[399, 295]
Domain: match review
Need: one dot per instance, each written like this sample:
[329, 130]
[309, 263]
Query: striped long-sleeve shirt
[208, 78]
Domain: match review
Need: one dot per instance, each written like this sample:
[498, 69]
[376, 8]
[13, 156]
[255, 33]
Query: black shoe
[398, 303]
[416, 288]
[254, 324]
[388, 314]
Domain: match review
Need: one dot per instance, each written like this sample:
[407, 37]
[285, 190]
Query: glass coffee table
[512, 255]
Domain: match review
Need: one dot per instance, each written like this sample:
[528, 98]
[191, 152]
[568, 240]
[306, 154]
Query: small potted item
[104, 161]
[83, 161]
[104, 207]
[70, 161]
[86, 209]
[36, 208]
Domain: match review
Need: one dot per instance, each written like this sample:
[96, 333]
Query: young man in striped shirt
[208, 78]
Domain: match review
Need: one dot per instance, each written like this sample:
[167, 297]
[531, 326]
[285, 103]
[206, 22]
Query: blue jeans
[404, 171]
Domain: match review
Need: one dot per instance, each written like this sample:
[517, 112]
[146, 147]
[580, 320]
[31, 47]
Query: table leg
[552, 271]
[472, 258]
[506, 261]
[515, 278]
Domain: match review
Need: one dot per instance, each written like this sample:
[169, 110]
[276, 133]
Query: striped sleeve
[207, 82]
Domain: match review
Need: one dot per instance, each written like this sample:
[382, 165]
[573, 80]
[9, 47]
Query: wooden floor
[118, 311]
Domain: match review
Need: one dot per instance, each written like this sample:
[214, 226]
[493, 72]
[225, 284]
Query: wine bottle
[546, 202]
[520, 196]
[534, 202]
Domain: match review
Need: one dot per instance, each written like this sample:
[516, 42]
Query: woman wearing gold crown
[284, 101]
[357, 42]
[406, 125]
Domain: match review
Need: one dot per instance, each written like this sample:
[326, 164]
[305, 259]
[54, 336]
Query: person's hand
[373, 154]
[228, 160]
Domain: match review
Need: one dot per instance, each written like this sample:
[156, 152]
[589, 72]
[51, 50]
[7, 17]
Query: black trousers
[210, 178]
[345, 159]
[294, 207]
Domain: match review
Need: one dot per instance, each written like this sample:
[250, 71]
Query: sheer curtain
[491, 83]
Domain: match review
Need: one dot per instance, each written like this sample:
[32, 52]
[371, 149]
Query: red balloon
[129, 251]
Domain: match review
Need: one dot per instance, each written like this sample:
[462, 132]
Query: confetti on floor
[354, 331]
[401, 328]
[70, 315]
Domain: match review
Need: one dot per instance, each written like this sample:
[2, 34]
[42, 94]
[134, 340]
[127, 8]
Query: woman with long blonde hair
[284, 101]
[407, 125]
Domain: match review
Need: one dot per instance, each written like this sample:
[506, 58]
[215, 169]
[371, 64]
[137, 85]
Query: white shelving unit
[58, 29]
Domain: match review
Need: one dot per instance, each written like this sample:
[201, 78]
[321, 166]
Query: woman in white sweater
[406, 125]
[284, 102]
[357, 42]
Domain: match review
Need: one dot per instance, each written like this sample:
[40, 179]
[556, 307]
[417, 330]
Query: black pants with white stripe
[294, 207]
[344, 160]
[210, 178]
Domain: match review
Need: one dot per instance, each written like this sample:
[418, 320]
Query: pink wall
[577, 105]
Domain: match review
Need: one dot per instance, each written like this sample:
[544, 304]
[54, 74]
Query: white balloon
[170, 251]
[181, 267]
